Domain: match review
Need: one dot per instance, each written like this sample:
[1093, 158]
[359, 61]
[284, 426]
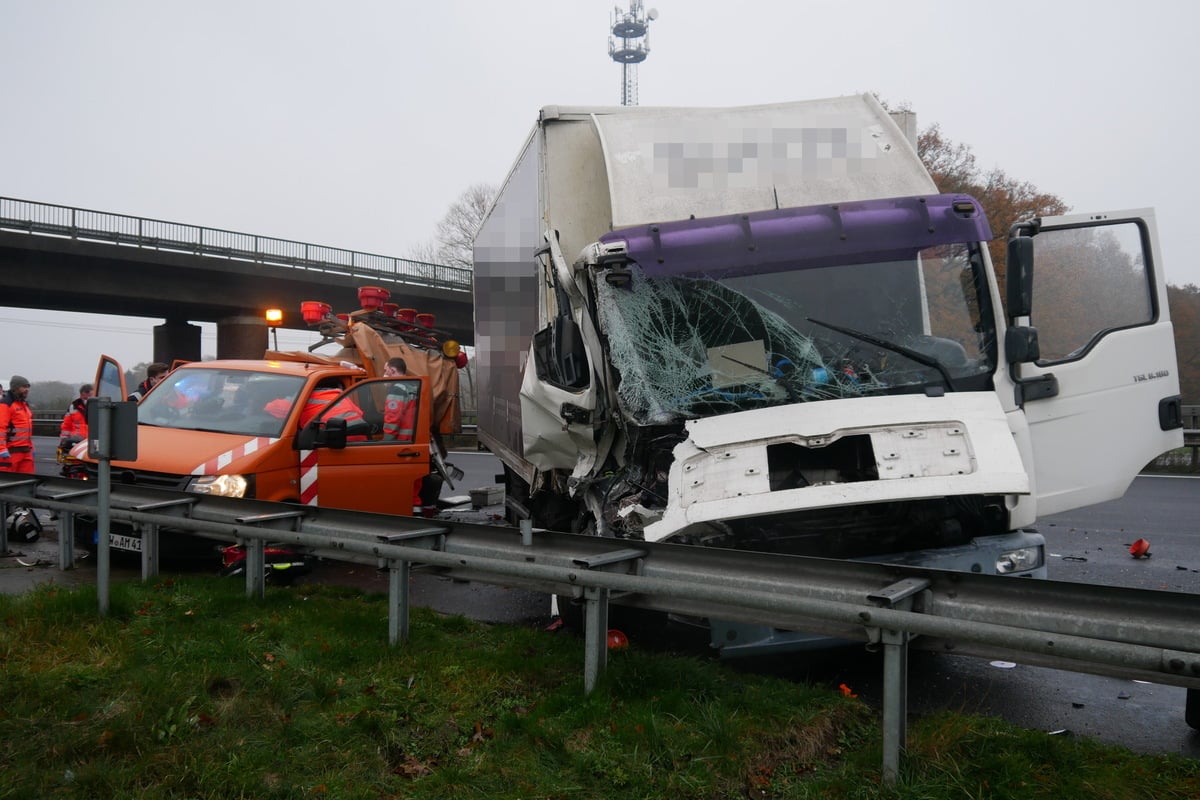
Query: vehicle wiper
[907, 352]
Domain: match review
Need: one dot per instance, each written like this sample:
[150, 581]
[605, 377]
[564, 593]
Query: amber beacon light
[274, 317]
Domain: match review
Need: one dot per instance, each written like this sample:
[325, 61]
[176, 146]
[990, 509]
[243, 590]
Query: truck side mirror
[1020, 276]
[1021, 345]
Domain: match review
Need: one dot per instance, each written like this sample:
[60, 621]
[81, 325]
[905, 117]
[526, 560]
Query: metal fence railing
[27, 216]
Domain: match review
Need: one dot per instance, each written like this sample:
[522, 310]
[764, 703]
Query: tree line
[1007, 200]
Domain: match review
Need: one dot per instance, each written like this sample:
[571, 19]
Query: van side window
[1089, 281]
[380, 411]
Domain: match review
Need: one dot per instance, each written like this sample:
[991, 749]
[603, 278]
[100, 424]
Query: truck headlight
[220, 485]
[1020, 560]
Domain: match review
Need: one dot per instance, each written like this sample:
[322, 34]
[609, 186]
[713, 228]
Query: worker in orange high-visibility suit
[400, 422]
[400, 405]
[16, 428]
[74, 424]
[316, 403]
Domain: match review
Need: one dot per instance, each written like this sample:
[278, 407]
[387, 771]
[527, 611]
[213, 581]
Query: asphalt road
[1088, 545]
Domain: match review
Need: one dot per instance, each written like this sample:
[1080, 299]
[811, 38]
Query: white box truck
[763, 328]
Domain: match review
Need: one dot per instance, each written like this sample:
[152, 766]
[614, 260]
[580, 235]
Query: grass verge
[189, 690]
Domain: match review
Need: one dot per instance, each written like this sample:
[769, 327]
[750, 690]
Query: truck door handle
[409, 454]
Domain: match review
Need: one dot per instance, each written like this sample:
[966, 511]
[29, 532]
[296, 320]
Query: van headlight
[220, 485]
[1022, 559]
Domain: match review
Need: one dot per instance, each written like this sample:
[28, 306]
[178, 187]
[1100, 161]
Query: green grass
[189, 690]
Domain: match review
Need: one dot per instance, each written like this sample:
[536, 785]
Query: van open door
[1100, 390]
[370, 448]
[110, 379]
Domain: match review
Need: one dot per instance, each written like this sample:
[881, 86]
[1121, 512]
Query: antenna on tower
[630, 44]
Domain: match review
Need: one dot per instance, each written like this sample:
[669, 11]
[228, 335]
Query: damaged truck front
[777, 336]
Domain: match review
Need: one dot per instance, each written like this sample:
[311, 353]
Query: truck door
[371, 471]
[1102, 400]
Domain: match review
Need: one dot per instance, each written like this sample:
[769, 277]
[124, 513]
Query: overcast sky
[355, 124]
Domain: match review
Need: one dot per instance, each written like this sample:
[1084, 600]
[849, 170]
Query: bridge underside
[62, 274]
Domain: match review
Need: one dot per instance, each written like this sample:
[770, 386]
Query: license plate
[122, 541]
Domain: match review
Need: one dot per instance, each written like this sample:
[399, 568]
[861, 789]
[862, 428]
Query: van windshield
[222, 401]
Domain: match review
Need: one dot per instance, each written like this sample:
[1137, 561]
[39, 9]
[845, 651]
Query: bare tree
[455, 235]
[426, 251]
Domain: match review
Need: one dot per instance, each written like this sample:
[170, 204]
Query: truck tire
[1192, 710]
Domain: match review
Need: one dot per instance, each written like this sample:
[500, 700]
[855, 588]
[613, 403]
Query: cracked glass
[693, 346]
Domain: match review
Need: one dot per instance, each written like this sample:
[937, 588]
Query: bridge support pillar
[174, 339]
[241, 337]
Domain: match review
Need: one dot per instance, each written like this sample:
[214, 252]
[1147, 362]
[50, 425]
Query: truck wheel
[1192, 711]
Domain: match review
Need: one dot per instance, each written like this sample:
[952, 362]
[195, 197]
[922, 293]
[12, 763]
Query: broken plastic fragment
[1140, 549]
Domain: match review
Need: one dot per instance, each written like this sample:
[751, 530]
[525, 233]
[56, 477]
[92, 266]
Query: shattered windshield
[222, 401]
[689, 346]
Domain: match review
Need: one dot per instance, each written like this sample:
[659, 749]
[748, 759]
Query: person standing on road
[154, 375]
[74, 425]
[16, 428]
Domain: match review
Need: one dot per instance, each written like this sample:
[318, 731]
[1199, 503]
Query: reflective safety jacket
[16, 424]
[316, 404]
[400, 411]
[74, 422]
[346, 409]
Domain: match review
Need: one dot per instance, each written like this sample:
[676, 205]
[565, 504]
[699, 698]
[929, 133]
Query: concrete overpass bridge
[72, 259]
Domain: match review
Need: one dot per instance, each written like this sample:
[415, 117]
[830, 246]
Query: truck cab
[776, 335]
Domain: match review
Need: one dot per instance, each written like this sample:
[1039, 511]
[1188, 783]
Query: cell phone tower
[629, 45]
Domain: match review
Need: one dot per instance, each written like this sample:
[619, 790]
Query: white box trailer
[763, 328]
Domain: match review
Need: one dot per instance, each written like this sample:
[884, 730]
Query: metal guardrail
[27, 216]
[1130, 633]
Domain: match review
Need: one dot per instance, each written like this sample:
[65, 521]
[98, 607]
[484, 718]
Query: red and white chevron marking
[216, 464]
[308, 477]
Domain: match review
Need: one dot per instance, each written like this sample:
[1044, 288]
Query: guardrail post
[595, 635]
[898, 596]
[149, 551]
[3, 529]
[255, 546]
[151, 538]
[256, 568]
[895, 702]
[66, 540]
[66, 528]
[595, 619]
[397, 601]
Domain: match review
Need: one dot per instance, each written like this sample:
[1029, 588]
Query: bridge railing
[28, 216]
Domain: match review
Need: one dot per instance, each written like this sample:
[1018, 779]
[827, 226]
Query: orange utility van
[292, 427]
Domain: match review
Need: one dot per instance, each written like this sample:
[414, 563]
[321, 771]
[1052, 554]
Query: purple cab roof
[798, 238]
